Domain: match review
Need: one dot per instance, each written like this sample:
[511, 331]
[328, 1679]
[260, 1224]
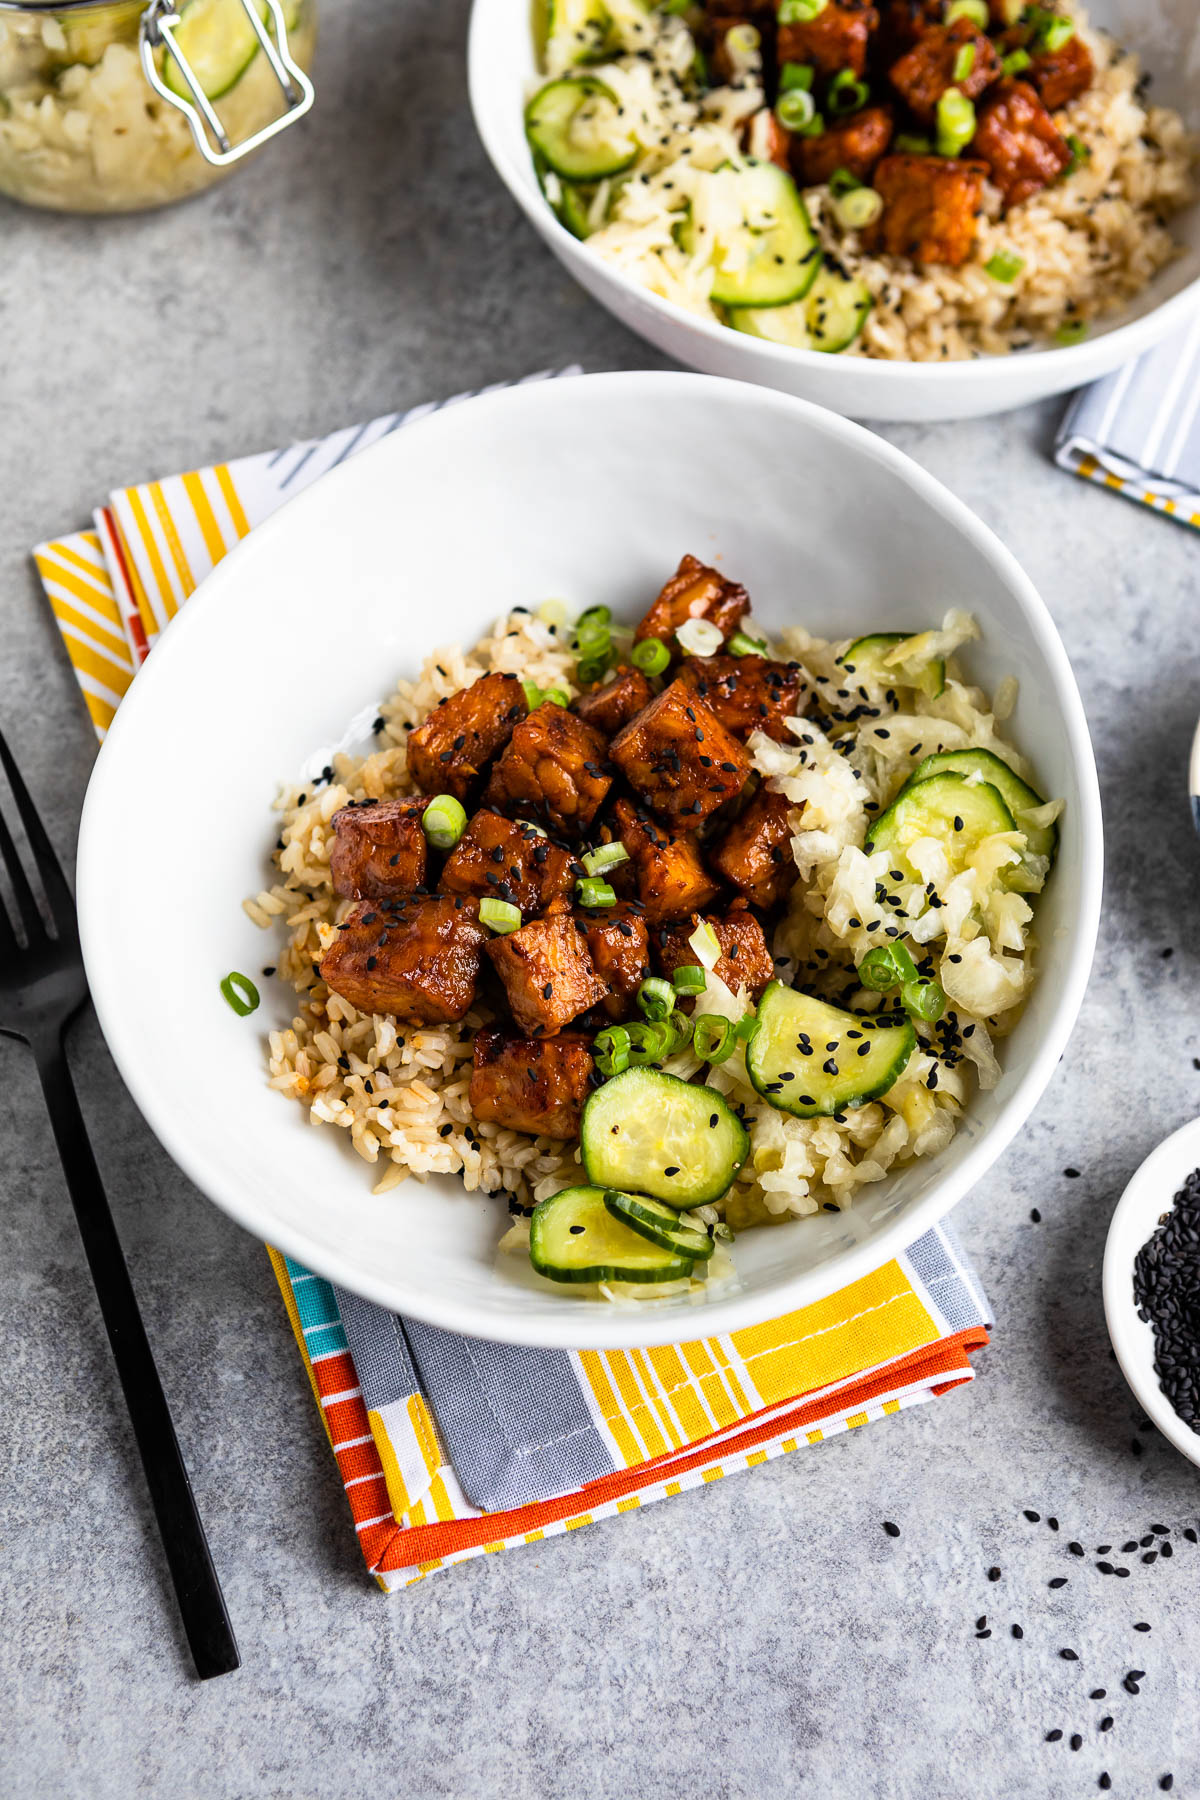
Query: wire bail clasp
[157, 28]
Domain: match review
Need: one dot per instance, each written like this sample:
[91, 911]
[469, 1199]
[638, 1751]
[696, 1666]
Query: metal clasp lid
[158, 27]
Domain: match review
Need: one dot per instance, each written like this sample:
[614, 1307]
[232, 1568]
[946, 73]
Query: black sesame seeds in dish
[660, 931]
[1166, 1291]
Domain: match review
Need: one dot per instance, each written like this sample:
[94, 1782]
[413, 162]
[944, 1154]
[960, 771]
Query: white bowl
[1150, 1194]
[591, 489]
[1166, 33]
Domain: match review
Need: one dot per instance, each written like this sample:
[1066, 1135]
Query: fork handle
[201, 1602]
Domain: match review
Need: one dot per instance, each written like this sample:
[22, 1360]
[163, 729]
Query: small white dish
[1194, 779]
[1151, 1193]
[590, 489]
[1165, 34]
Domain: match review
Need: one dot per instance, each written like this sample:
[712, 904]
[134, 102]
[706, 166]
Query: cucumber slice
[1018, 796]
[849, 1061]
[661, 1224]
[575, 126]
[837, 309]
[572, 208]
[651, 1133]
[865, 657]
[219, 42]
[949, 807]
[573, 1237]
[768, 256]
[830, 318]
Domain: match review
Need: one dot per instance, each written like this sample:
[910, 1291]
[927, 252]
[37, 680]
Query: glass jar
[116, 105]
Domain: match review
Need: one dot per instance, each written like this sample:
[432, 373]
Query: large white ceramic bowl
[1166, 33]
[591, 489]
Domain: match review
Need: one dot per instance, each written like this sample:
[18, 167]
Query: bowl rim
[1135, 1217]
[614, 1327]
[1062, 366]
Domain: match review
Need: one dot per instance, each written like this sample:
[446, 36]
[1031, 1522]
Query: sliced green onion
[1005, 266]
[500, 915]
[552, 612]
[706, 944]
[846, 94]
[855, 210]
[923, 998]
[592, 616]
[604, 856]
[814, 128]
[879, 970]
[904, 962]
[794, 75]
[975, 10]
[1071, 331]
[794, 109]
[843, 182]
[656, 998]
[649, 1043]
[741, 645]
[1050, 29]
[240, 992]
[611, 1050]
[743, 39]
[700, 637]
[675, 7]
[533, 695]
[1016, 62]
[1012, 11]
[909, 144]
[591, 670]
[715, 1038]
[595, 893]
[689, 978]
[746, 1028]
[651, 656]
[964, 62]
[955, 122]
[681, 1031]
[558, 695]
[799, 12]
[1079, 155]
[444, 821]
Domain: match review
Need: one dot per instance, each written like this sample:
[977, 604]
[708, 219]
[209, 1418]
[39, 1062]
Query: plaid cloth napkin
[449, 1447]
[1138, 430]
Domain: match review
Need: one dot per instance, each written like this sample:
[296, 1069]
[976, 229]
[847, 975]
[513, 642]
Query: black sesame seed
[1097, 1693]
[1052, 1737]
[1105, 1781]
[993, 1574]
[1035, 1215]
[1060, 1581]
[673, 1170]
[1035, 1518]
[1076, 1741]
[892, 1529]
[1106, 1723]
[1105, 1568]
[1017, 1632]
[1052, 1523]
[1076, 1549]
[1141, 1626]
[1069, 1655]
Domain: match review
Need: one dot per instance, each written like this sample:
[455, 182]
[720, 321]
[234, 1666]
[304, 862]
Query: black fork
[42, 987]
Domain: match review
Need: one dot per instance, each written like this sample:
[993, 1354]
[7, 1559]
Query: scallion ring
[1071, 331]
[800, 12]
[611, 1050]
[955, 122]
[651, 656]
[533, 695]
[605, 856]
[501, 916]
[794, 109]
[923, 998]
[707, 945]
[700, 637]
[746, 1028]
[742, 645]
[715, 1038]
[911, 144]
[1004, 266]
[649, 1043]
[557, 695]
[975, 10]
[795, 75]
[591, 669]
[856, 210]
[743, 40]
[846, 94]
[656, 999]
[843, 182]
[591, 617]
[444, 821]
[689, 979]
[1016, 62]
[595, 893]
[240, 992]
[552, 612]
[681, 1031]
[964, 62]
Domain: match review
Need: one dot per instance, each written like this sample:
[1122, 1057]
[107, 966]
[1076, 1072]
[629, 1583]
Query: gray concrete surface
[763, 1637]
